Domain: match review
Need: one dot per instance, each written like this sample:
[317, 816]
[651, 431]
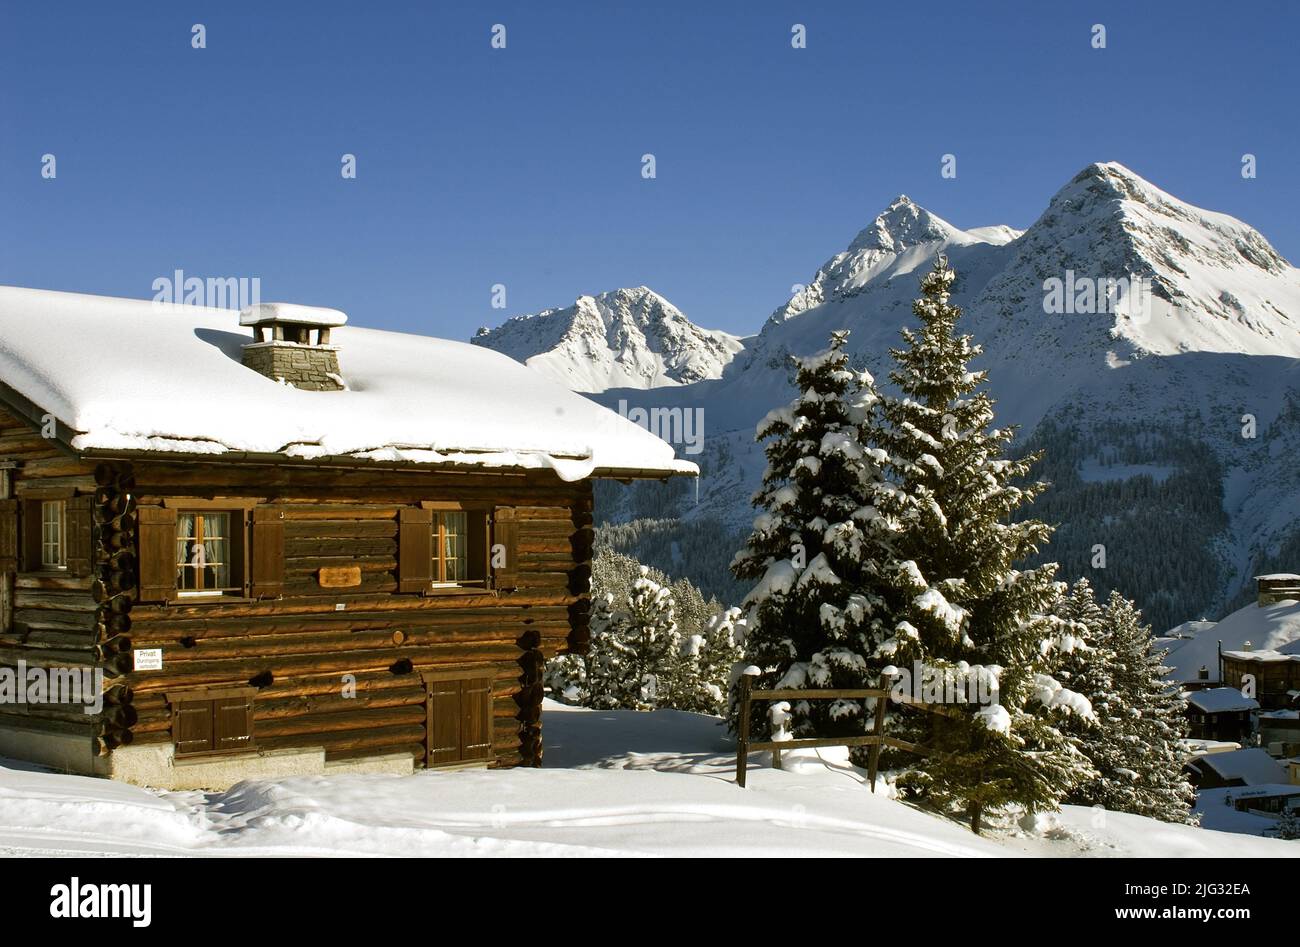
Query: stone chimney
[291, 345]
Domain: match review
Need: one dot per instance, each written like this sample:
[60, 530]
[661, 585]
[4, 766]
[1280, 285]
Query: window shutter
[505, 545]
[31, 535]
[156, 553]
[478, 546]
[192, 726]
[268, 552]
[232, 723]
[443, 723]
[414, 550]
[8, 536]
[77, 536]
[476, 719]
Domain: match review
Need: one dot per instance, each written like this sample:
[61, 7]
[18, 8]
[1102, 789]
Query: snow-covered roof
[1290, 652]
[1268, 628]
[292, 312]
[1267, 790]
[135, 375]
[1253, 766]
[1219, 700]
[1196, 747]
[1279, 577]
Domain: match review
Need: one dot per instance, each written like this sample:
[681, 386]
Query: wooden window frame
[209, 695]
[60, 544]
[31, 503]
[236, 544]
[241, 514]
[478, 522]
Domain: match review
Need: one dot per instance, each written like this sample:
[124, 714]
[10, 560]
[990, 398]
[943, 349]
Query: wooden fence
[875, 739]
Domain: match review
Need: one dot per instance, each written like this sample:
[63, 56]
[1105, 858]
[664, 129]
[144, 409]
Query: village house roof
[1220, 700]
[1253, 766]
[1271, 631]
[1289, 652]
[129, 375]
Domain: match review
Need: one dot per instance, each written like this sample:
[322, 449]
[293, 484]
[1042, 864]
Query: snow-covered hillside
[615, 783]
[1194, 379]
[627, 338]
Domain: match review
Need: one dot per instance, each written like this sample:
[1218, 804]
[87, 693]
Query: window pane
[203, 551]
[216, 550]
[187, 575]
[453, 550]
[52, 520]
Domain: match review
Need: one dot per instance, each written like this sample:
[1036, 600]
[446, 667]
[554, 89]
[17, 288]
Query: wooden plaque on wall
[340, 577]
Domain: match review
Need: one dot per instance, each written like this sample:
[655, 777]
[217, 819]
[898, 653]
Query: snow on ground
[616, 783]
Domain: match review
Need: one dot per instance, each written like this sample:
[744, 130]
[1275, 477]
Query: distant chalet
[290, 546]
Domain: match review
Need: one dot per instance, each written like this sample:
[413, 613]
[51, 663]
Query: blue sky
[522, 166]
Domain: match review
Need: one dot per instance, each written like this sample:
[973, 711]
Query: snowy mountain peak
[902, 224]
[625, 338]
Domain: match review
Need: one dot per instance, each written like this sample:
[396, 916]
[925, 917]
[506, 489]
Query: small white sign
[148, 659]
[339, 606]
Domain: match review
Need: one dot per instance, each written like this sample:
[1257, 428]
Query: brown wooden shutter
[156, 553]
[31, 535]
[8, 536]
[476, 719]
[78, 526]
[444, 731]
[505, 545]
[192, 726]
[478, 546]
[232, 723]
[414, 550]
[268, 552]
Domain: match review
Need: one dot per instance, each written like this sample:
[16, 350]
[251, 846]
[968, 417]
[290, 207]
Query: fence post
[742, 736]
[874, 763]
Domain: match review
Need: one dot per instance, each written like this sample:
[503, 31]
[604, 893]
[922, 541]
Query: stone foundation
[156, 766]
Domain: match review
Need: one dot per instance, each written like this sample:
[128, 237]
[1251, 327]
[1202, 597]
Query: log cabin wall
[47, 616]
[296, 649]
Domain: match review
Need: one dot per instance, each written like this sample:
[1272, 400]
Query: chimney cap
[291, 314]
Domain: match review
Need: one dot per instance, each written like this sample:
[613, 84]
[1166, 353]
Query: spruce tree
[1139, 756]
[1288, 825]
[966, 603]
[817, 551]
[634, 655]
[707, 663]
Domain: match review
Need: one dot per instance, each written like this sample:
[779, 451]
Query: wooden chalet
[290, 546]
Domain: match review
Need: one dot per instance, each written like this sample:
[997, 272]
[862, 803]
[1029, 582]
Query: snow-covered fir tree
[709, 639]
[1288, 825]
[818, 552]
[635, 647]
[1141, 717]
[615, 573]
[708, 663]
[565, 679]
[968, 604]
